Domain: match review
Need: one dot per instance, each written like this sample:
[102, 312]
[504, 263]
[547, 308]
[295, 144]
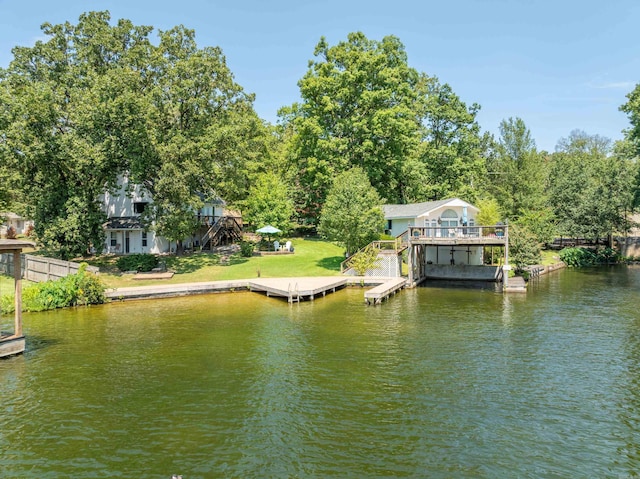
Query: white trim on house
[443, 218]
[125, 232]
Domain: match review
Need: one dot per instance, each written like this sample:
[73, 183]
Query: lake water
[439, 382]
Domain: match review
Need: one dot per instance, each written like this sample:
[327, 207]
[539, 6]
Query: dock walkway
[381, 292]
[295, 289]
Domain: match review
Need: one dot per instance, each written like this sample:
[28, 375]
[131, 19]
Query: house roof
[124, 223]
[414, 210]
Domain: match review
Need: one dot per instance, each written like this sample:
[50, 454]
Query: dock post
[18, 293]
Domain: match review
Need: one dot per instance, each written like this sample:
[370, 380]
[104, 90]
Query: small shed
[14, 343]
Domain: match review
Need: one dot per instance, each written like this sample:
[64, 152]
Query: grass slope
[311, 257]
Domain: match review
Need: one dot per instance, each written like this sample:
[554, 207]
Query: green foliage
[581, 257]
[517, 171]
[364, 260]
[137, 262]
[632, 109]
[77, 289]
[352, 215]
[590, 191]
[452, 151]
[490, 213]
[94, 101]
[363, 105]
[540, 223]
[246, 248]
[524, 249]
[269, 203]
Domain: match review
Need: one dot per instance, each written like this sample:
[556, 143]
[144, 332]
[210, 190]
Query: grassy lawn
[311, 257]
[550, 257]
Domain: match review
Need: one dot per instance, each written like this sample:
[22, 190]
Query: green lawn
[311, 257]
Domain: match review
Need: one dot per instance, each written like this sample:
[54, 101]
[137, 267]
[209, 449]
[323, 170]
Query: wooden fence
[40, 268]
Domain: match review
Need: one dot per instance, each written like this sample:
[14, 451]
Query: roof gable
[414, 210]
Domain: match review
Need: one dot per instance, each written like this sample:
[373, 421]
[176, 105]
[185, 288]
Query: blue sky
[557, 64]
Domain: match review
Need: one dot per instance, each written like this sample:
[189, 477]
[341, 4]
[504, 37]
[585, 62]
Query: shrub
[246, 248]
[137, 262]
[11, 233]
[77, 289]
[580, 257]
[577, 257]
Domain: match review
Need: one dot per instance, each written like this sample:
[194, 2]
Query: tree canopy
[364, 106]
[352, 215]
[96, 101]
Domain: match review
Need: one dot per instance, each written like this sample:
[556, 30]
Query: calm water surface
[439, 382]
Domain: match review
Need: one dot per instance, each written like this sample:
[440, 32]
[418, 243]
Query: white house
[125, 232]
[443, 219]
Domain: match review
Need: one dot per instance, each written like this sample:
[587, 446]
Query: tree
[632, 109]
[490, 213]
[98, 101]
[453, 150]
[517, 172]
[269, 203]
[70, 118]
[202, 132]
[358, 109]
[524, 249]
[590, 190]
[352, 215]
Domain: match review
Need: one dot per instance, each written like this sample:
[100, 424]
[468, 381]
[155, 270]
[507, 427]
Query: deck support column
[17, 270]
[410, 260]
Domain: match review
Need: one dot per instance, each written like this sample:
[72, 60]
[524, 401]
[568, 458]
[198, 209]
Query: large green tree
[358, 109]
[590, 190]
[352, 215]
[96, 101]
[517, 172]
[363, 105]
[453, 150]
[73, 118]
[632, 109]
[269, 203]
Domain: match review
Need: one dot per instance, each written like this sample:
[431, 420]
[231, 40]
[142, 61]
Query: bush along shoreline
[80, 289]
[582, 257]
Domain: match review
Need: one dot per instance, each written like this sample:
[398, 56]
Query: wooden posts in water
[14, 343]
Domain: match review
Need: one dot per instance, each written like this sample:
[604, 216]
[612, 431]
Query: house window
[389, 225]
[144, 239]
[114, 240]
[138, 208]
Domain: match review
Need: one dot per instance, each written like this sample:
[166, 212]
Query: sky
[560, 65]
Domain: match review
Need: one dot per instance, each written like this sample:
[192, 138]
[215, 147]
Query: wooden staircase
[395, 246]
[224, 231]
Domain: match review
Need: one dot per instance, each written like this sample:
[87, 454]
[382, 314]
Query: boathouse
[445, 241]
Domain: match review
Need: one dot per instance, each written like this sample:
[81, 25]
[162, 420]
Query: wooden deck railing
[446, 232]
[396, 245]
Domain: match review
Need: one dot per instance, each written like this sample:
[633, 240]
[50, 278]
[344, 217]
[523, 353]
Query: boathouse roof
[414, 210]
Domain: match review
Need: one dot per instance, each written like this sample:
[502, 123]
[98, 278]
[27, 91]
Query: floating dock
[295, 289]
[381, 292]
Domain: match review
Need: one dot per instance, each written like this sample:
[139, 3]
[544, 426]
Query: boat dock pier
[381, 292]
[295, 289]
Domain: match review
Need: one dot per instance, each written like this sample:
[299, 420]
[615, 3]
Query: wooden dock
[381, 292]
[295, 289]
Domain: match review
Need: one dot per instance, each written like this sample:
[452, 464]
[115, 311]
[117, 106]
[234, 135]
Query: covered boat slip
[14, 343]
[454, 252]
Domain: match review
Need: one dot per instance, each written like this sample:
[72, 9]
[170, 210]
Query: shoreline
[206, 287]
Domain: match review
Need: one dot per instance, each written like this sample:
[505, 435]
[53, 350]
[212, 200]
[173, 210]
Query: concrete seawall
[208, 287]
